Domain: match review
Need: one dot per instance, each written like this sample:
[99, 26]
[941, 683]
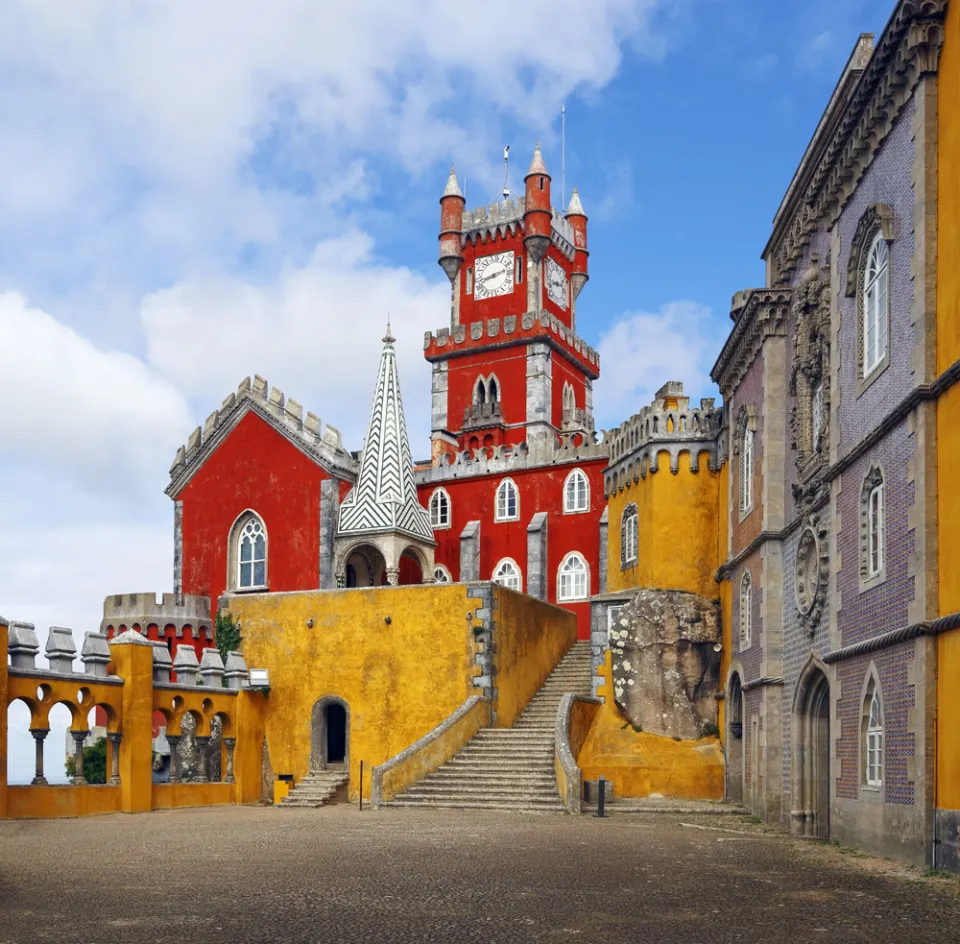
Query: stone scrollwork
[812, 572]
[877, 217]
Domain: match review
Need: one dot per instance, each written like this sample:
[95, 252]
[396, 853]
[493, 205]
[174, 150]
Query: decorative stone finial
[576, 207]
[388, 338]
[537, 165]
[452, 188]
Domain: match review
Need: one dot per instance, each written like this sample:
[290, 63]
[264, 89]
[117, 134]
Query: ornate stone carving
[812, 572]
[879, 216]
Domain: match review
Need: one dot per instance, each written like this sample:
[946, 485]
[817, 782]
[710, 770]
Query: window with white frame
[872, 737]
[872, 527]
[573, 578]
[818, 414]
[507, 574]
[629, 536]
[440, 509]
[251, 554]
[613, 616]
[746, 470]
[441, 574]
[508, 501]
[746, 610]
[576, 493]
[875, 301]
[875, 531]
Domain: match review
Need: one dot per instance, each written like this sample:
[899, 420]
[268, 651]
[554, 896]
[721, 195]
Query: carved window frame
[746, 610]
[872, 505]
[629, 537]
[872, 739]
[745, 448]
[876, 223]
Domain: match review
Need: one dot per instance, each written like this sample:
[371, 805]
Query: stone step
[469, 790]
[458, 804]
[494, 766]
[455, 777]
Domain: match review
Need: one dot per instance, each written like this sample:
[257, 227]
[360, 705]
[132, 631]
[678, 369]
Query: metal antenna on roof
[563, 156]
[506, 172]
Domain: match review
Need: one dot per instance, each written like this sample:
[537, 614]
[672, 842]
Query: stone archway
[734, 741]
[810, 816]
[329, 733]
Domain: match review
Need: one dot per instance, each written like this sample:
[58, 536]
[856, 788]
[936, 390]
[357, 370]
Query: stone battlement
[286, 413]
[636, 443]
[142, 610]
[506, 219]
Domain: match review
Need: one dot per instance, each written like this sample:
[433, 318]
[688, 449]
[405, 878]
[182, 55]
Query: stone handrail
[571, 730]
[431, 751]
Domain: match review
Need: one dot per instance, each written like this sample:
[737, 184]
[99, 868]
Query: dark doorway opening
[336, 725]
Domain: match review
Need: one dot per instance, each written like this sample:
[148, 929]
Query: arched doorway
[410, 570]
[365, 567]
[810, 816]
[329, 733]
[734, 744]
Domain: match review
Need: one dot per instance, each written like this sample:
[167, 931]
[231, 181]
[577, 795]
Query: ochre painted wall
[253, 468]
[948, 412]
[678, 521]
[58, 801]
[400, 679]
[531, 638]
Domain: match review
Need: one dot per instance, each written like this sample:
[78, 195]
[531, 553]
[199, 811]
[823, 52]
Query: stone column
[201, 742]
[174, 741]
[78, 738]
[38, 736]
[393, 576]
[229, 743]
[115, 739]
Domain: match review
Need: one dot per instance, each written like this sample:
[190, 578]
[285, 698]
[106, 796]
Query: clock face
[493, 275]
[556, 283]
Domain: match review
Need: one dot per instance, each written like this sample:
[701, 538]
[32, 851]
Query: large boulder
[666, 663]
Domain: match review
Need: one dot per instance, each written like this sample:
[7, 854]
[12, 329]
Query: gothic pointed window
[875, 301]
[872, 529]
[818, 414]
[629, 536]
[746, 610]
[872, 738]
[251, 553]
[573, 578]
[507, 574]
[507, 502]
[493, 390]
[875, 530]
[440, 509]
[576, 493]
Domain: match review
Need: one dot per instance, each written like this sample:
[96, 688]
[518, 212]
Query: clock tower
[510, 368]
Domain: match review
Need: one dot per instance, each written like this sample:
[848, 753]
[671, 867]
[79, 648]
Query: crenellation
[60, 650]
[22, 645]
[95, 654]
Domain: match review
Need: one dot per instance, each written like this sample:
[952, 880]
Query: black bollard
[601, 798]
[361, 786]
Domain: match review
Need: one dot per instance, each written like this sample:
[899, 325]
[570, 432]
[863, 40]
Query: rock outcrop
[665, 663]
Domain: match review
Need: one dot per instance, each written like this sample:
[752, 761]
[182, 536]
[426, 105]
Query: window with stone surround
[440, 509]
[871, 743]
[576, 493]
[441, 574]
[744, 447]
[875, 304]
[507, 574]
[573, 578]
[248, 552]
[507, 502]
[872, 529]
[629, 536]
[746, 610]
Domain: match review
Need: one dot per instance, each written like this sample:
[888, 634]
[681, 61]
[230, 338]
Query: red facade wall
[473, 499]
[510, 366]
[254, 468]
[562, 371]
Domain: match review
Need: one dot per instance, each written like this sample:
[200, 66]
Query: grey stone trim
[329, 511]
[376, 777]
[895, 637]
[79, 677]
[482, 625]
[604, 528]
[539, 409]
[537, 543]
[439, 386]
[177, 687]
[946, 843]
[773, 450]
[764, 682]
[178, 551]
[758, 313]
[470, 552]
[563, 752]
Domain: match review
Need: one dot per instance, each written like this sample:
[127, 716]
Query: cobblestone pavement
[259, 874]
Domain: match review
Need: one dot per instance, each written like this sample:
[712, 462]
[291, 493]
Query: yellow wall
[948, 411]
[56, 801]
[640, 764]
[678, 518]
[531, 638]
[169, 796]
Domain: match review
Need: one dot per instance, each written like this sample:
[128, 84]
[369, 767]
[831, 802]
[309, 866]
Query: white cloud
[643, 350]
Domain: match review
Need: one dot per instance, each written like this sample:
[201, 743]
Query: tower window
[440, 509]
[518, 270]
[508, 501]
[251, 553]
[541, 183]
[469, 288]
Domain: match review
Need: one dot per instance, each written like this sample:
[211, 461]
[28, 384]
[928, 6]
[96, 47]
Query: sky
[191, 193]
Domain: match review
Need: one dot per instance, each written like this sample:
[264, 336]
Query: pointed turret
[578, 220]
[382, 506]
[537, 165]
[451, 226]
[537, 223]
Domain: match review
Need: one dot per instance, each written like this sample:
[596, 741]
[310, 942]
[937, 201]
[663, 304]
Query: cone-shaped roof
[576, 207]
[536, 165]
[384, 498]
[452, 188]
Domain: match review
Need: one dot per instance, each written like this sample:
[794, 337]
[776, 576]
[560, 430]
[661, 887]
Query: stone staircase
[509, 768]
[316, 789]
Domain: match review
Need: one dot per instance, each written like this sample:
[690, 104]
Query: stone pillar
[393, 576]
[202, 742]
[329, 509]
[229, 743]
[604, 519]
[132, 657]
[39, 734]
[78, 738]
[470, 552]
[537, 556]
[174, 741]
[114, 738]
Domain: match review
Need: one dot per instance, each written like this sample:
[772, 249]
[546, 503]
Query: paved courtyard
[338, 875]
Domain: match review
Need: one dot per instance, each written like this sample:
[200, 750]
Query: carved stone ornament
[812, 573]
[876, 217]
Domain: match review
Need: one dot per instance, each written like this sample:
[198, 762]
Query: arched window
[746, 610]
[441, 574]
[746, 470]
[251, 554]
[874, 303]
[629, 536]
[508, 501]
[507, 574]
[872, 528]
[440, 509]
[872, 743]
[493, 390]
[573, 578]
[480, 392]
[576, 493]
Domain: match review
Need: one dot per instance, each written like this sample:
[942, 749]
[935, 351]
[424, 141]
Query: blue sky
[191, 193]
